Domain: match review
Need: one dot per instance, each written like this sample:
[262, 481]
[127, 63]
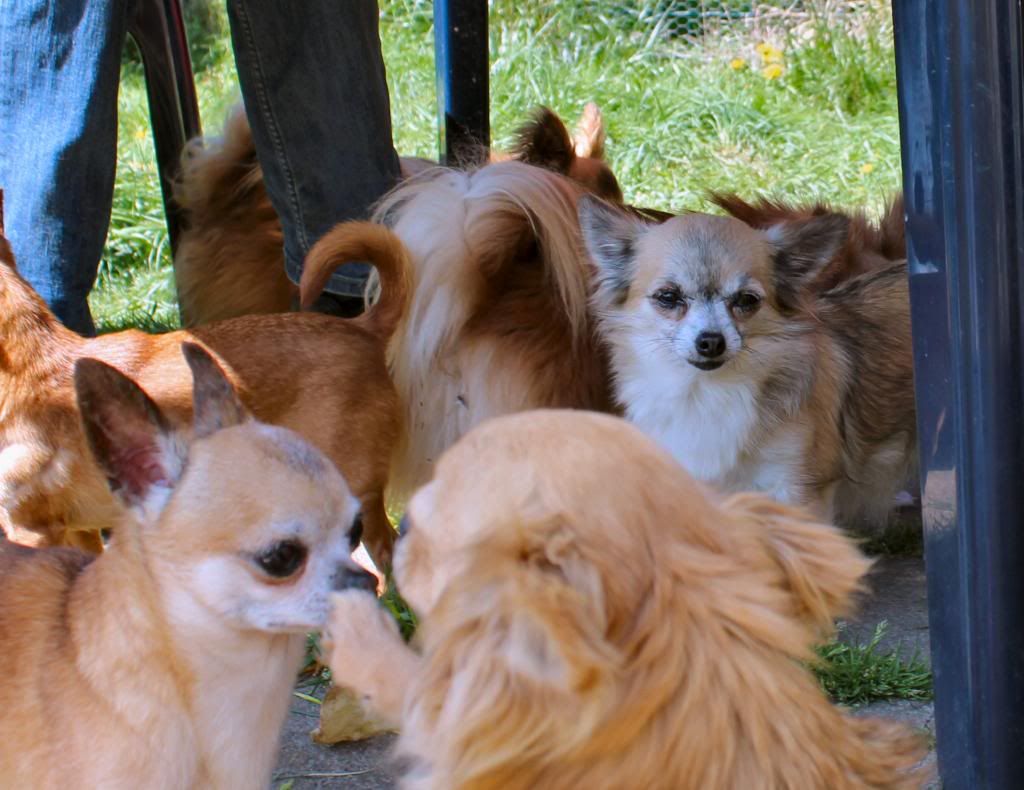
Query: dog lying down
[592, 617]
[168, 661]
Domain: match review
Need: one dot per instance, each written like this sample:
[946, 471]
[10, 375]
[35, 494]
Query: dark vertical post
[961, 95]
[463, 65]
[159, 30]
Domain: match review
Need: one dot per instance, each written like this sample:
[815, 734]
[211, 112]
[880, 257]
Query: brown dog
[169, 660]
[230, 259]
[591, 617]
[498, 318]
[867, 246]
[323, 377]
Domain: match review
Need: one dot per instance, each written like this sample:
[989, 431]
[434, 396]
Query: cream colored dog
[590, 617]
[168, 661]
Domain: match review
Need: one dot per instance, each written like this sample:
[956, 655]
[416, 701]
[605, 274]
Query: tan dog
[498, 319]
[323, 377]
[169, 660]
[230, 260]
[725, 351]
[591, 617]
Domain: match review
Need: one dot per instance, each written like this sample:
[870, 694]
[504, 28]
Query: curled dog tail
[362, 241]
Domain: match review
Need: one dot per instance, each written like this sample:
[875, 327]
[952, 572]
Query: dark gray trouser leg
[312, 78]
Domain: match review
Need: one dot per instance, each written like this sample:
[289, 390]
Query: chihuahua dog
[591, 617]
[723, 350]
[169, 660]
[323, 377]
[497, 319]
[230, 260]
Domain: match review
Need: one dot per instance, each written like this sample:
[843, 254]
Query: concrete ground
[897, 596]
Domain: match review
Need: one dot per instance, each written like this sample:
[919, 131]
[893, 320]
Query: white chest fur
[711, 425]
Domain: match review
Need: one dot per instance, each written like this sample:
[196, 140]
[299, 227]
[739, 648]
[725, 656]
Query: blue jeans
[312, 79]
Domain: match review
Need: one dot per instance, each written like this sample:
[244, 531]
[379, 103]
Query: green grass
[855, 674]
[681, 119]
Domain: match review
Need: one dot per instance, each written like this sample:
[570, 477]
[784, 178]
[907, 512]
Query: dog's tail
[362, 241]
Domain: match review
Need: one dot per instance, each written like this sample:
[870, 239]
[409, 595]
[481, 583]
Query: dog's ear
[215, 403]
[542, 617]
[544, 142]
[139, 451]
[821, 569]
[610, 235]
[802, 250]
[589, 137]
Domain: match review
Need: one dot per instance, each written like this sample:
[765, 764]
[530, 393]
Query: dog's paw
[358, 630]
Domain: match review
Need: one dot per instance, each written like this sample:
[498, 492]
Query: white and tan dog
[725, 352]
[590, 617]
[168, 661]
[497, 318]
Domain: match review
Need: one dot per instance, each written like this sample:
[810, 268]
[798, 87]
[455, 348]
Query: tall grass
[688, 108]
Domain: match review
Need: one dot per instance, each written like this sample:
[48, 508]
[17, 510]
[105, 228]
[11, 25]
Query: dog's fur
[498, 320]
[230, 258]
[868, 245]
[326, 378]
[591, 617]
[168, 661]
[813, 398]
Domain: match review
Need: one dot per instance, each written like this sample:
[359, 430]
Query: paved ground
[898, 596]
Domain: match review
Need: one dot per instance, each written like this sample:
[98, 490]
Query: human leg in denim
[312, 78]
[59, 72]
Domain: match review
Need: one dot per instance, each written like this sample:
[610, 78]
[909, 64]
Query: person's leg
[312, 78]
[59, 75]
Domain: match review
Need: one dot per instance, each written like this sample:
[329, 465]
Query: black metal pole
[961, 94]
[463, 65]
[159, 30]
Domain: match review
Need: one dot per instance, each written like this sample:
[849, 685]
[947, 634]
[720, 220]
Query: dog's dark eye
[669, 299]
[355, 534]
[282, 559]
[745, 303]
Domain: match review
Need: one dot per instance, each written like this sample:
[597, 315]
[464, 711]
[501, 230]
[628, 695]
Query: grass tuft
[855, 674]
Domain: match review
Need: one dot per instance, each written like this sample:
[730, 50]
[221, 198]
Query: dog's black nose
[349, 578]
[710, 344]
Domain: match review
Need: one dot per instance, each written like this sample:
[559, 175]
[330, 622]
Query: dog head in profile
[702, 292]
[247, 522]
[592, 617]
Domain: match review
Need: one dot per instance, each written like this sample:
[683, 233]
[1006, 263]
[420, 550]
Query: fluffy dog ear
[544, 619]
[134, 444]
[821, 568]
[610, 235]
[544, 142]
[215, 403]
[803, 250]
[589, 136]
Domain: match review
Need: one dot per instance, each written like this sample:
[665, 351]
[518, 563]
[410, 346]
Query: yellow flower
[866, 168]
[736, 64]
[768, 53]
[140, 134]
[772, 71]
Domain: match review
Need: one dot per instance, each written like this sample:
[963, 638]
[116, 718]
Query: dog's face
[250, 524]
[699, 290]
